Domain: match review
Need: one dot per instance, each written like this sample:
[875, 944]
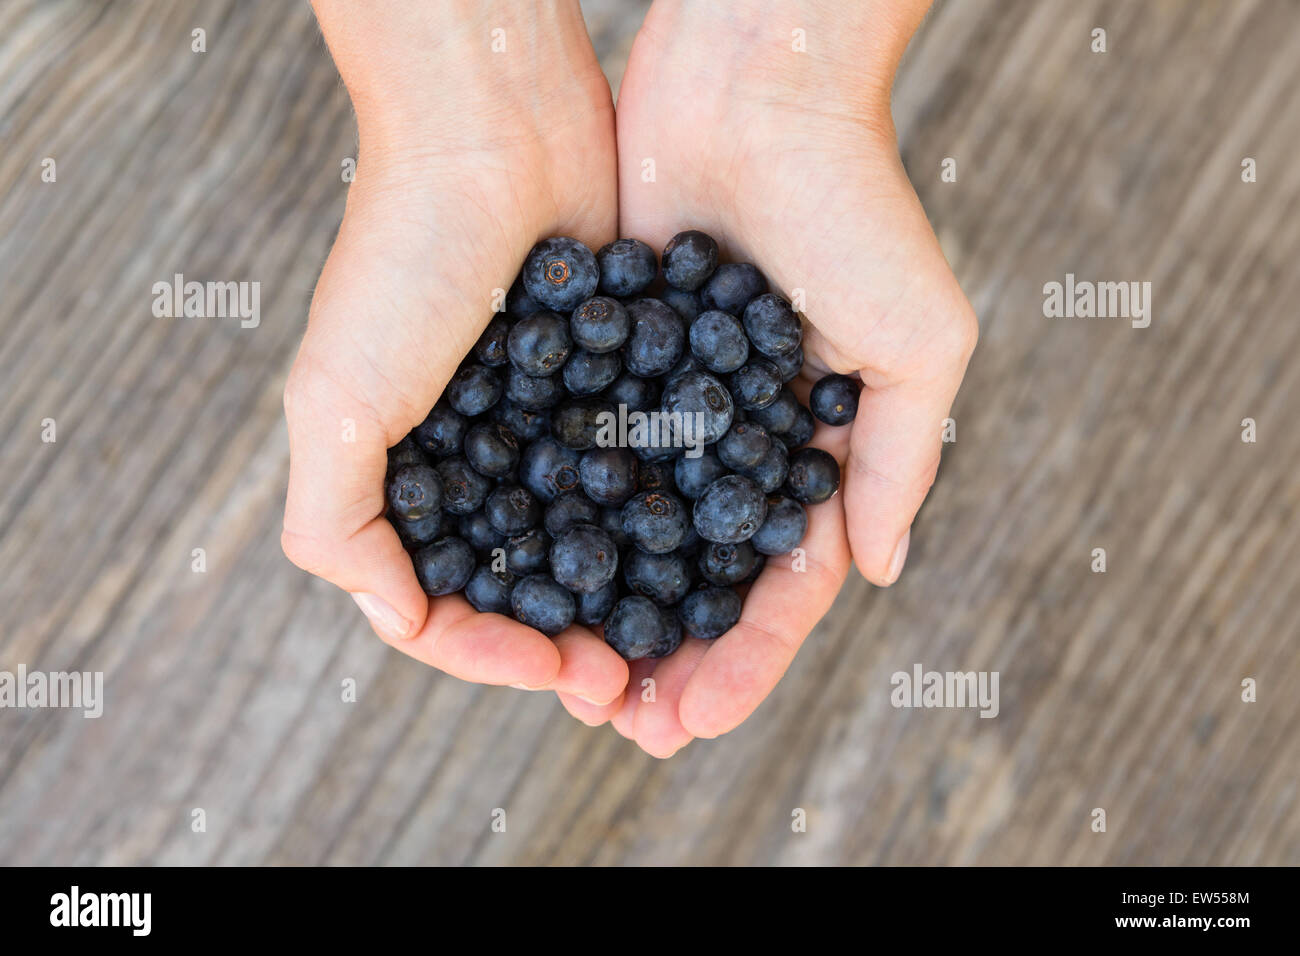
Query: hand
[789, 159]
[467, 157]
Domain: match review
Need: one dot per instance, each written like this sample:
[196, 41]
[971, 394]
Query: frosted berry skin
[414, 491]
[609, 475]
[731, 510]
[478, 533]
[587, 373]
[584, 559]
[663, 578]
[718, 341]
[492, 449]
[744, 446]
[512, 509]
[594, 607]
[834, 399]
[693, 475]
[534, 393]
[634, 627]
[727, 564]
[542, 603]
[559, 273]
[704, 404]
[489, 590]
[443, 567]
[490, 349]
[569, 509]
[656, 522]
[814, 476]
[442, 432]
[600, 324]
[756, 384]
[783, 528]
[547, 468]
[732, 286]
[529, 552]
[772, 325]
[657, 340]
[540, 344]
[463, 489]
[473, 390]
[670, 637]
[627, 267]
[710, 612]
[689, 259]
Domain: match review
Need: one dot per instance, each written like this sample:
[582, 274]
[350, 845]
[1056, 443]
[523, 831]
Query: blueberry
[593, 608]
[490, 349]
[834, 399]
[634, 393]
[579, 424]
[772, 325]
[778, 416]
[547, 468]
[518, 302]
[463, 489]
[444, 566]
[691, 544]
[718, 341]
[635, 628]
[664, 578]
[560, 272]
[492, 449]
[726, 564]
[789, 365]
[657, 340]
[627, 267]
[527, 426]
[769, 474]
[442, 432]
[801, 432]
[744, 446]
[479, 534]
[655, 476]
[528, 553]
[756, 384]
[814, 476]
[693, 475]
[730, 510]
[489, 591]
[609, 475]
[704, 406]
[689, 259]
[419, 532]
[710, 612]
[539, 344]
[784, 528]
[535, 393]
[611, 522]
[414, 491]
[671, 637]
[659, 448]
[600, 324]
[656, 522]
[473, 390]
[686, 304]
[540, 602]
[732, 286]
[569, 509]
[405, 452]
[586, 373]
[512, 509]
[584, 559]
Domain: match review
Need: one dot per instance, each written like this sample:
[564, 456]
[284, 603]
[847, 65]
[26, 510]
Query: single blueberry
[701, 406]
[540, 602]
[478, 533]
[490, 349]
[512, 509]
[693, 475]
[664, 578]
[529, 552]
[473, 390]
[732, 286]
[635, 627]
[442, 432]
[547, 468]
[419, 532]
[586, 373]
[756, 384]
[627, 267]
[527, 426]
[686, 304]
[489, 590]
[634, 393]
[710, 612]
[730, 510]
[535, 393]
[584, 559]
[726, 564]
[801, 432]
[593, 608]
[657, 340]
[772, 325]
[718, 341]
[814, 476]
[778, 416]
[609, 475]
[784, 527]
[540, 344]
[744, 446]
[569, 509]
[560, 272]
[405, 452]
[769, 474]
[579, 423]
[656, 522]
[834, 399]
[600, 324]
[671, 637]
[463, 489]
[491, 449]
[444, 566]
[414, 491]
[689, 259]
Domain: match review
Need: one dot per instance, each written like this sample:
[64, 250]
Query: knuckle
[303, 551]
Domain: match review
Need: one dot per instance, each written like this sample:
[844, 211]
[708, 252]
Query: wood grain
[1119, 690]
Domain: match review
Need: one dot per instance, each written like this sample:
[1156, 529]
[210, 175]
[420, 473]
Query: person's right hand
[467, 157]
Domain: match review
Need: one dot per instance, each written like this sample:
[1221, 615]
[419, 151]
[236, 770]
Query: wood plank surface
[223, 692]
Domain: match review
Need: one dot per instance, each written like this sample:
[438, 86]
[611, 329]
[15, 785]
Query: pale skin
[468, 156]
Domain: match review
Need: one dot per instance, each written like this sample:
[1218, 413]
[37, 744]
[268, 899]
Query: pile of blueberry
[516, 490]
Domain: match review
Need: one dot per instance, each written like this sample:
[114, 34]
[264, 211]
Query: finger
[657, 725]
[894, 455]
[590, 669]
[624, 718]
[743, 665]
[592, 715]
[483, 648]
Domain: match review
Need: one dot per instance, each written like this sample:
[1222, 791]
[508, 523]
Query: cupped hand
[789, 158]
[459, 172]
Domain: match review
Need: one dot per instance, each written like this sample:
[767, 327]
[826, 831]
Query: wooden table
[1119, 690]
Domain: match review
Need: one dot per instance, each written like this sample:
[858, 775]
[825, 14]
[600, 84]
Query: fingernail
[526, 687]
[382, 615]
[900, 555]
[596, 703]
